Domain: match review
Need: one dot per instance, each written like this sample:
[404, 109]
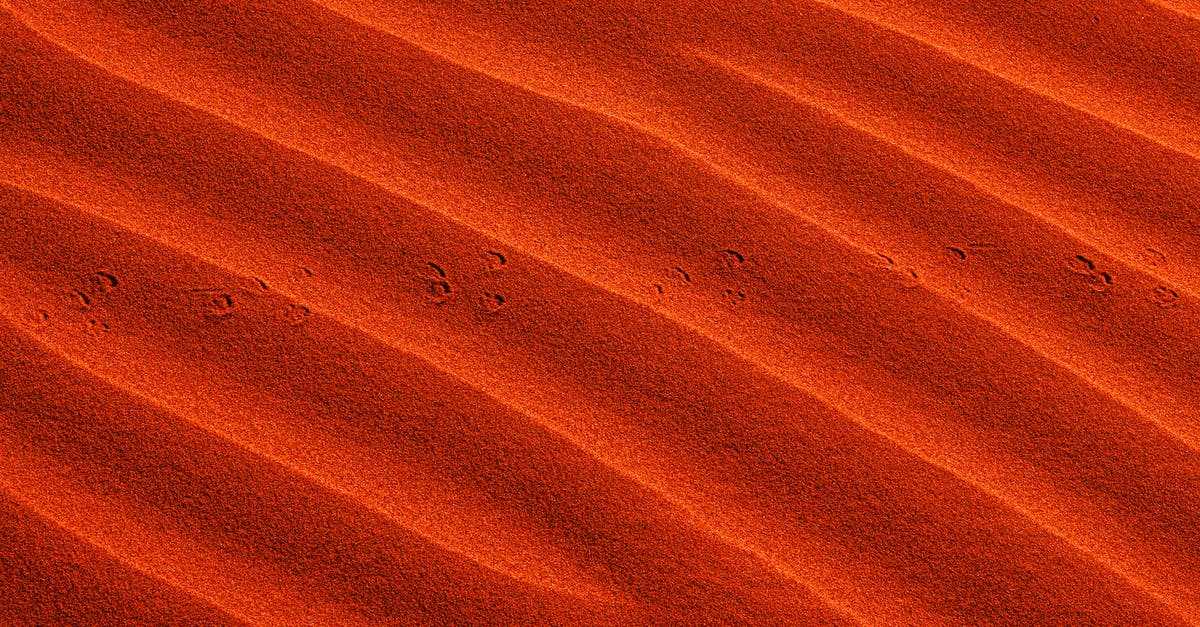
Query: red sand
[613, 312]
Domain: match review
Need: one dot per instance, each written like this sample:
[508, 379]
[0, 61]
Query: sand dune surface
[433, 312]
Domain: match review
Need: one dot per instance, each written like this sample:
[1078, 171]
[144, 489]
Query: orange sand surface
[599, 312]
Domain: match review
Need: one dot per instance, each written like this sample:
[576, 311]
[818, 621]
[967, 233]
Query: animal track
[220, 305]
[296, 314]
[735, 261]
[38, 318]
[957, 252]
[97, 283]
[658, 288]
[735, 296]
[1164, 297]
[97, 327]
[262, 285]
[492, 303]
[1081, 265]
[438, 289]
[82, 298]
[732, 258]
[215, 303]
[301, 273]
[496, 260]
[687, 278]
[1100, 281]
[1155, 258]
[1105, 280]
[908, 276]
[104, 281]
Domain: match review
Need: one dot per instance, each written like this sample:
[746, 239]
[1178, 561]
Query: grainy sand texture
[600, 312]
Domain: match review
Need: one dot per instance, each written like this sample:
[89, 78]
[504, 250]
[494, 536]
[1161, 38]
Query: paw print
[1164, 297]
[1081, 265]
[103, 281]
[1099, 281]
[492, 303]
[1102, 282]
[81, 298]
[438, 288]
[214, 303]
[38, 319]
[296, 314]
[908, 276]
[299, 274]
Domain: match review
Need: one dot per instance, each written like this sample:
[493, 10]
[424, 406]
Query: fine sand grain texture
[603, 312]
